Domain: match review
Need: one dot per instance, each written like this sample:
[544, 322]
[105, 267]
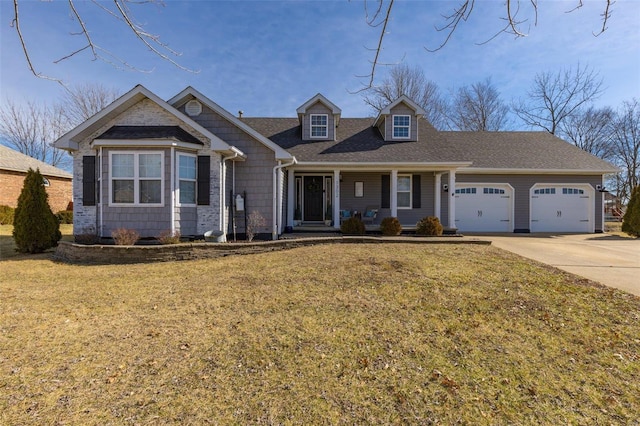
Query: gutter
[277, 201]
[223, 192]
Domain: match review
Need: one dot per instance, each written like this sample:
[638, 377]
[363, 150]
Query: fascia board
[322, 99]
[280, 153]
[436, 166]
[171, 142]
[473, 170]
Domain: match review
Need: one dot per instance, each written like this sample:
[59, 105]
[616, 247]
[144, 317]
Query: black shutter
[89, 180]
[416, 192]
[385, 202]
[204, 182]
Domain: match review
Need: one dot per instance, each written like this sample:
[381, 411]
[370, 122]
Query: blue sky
[268, 57]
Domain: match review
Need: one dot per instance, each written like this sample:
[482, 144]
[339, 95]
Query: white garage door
[562, 208]
[484, 207]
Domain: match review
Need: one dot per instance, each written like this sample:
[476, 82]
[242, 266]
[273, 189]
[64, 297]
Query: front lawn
[332, 334]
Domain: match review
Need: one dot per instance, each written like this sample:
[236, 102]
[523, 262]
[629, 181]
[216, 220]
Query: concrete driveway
[609, 259]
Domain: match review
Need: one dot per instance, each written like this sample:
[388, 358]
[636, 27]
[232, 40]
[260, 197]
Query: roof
[535, 151]
[17, 162]
[149, 132]
[508, 152]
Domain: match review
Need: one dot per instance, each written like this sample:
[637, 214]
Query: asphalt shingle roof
[17, 162]
[358, 141]
[149, 132]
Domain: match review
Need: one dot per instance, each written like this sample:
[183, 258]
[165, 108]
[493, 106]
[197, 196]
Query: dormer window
[319, 125]
[401, 126]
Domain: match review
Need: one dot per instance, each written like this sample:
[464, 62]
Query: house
[189, 165]
[13, 169]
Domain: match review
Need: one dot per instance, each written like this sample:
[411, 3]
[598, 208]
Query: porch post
[291, 182]
[452, 199]
[394, 193]
[437, 194]
[336, 199]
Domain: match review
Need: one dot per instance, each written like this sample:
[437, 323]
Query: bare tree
[120, 11]
[555, 97]
[410, 81]
[517, 22]
[31, 128]
[80, 102]
[589, 129]
[478, 108]
[625, 134]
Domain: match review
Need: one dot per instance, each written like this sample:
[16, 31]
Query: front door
[313, 198]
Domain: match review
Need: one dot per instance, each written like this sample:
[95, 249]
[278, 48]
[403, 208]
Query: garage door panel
[484, 208]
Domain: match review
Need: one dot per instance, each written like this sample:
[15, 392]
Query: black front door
[313, 198]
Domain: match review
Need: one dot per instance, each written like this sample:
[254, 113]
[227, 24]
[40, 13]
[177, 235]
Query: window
[572, 191]
[45, 181]
[319, 125]
[465, 190]
[401, 126]
[187, 178]
[136, 178]
[404, 192]
[544, 191]
[493, 191]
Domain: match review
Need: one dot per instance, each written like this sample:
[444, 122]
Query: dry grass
[8, 247]
[342, 334]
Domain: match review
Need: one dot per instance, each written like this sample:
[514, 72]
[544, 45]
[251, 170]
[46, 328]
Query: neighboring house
[13, 169]
[155, 166]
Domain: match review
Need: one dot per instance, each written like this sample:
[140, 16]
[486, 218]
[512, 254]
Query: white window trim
[136, 179]
[311, 126]
[410, 192]
[178, 179]
[394, 126]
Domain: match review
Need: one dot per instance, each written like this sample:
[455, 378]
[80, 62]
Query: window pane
[150, 165]
[401, 132]
[187, 167]
[187, 192]
[122, 191]
[404, 183]
[122, 165]
[150, 192]
[404, 199]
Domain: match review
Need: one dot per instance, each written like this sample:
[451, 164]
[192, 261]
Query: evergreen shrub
[631, 218]
[6, 215]
[352, 226]
[35, 227]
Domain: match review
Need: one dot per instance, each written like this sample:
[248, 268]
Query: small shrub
[631, 218]
[125, 237]
[390, 226]
[168, 237]
[65, 216]
[6, 215]
[255, 221]
[86, 239]
[353, 226]
[35, 227]
[430, 226]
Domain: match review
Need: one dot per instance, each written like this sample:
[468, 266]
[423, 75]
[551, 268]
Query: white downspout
[172, 182]
[101, 191]
[223, 192]
[277, 201]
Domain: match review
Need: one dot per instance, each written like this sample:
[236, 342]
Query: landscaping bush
[6, 215]
[125, 237]
[631, 218]
[168, 237]
[390, 226]
[86, 239]
[255, 221]
[352, 226]
[429, 226]
[65, 216]
[35, 227]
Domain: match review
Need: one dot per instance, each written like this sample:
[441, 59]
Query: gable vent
[193, 108]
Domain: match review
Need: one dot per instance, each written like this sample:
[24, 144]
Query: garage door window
[545, 191]
[572, 191]
[466, 191]
[493, 191]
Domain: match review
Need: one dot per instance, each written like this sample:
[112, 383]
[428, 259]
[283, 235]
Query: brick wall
[59, 190]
